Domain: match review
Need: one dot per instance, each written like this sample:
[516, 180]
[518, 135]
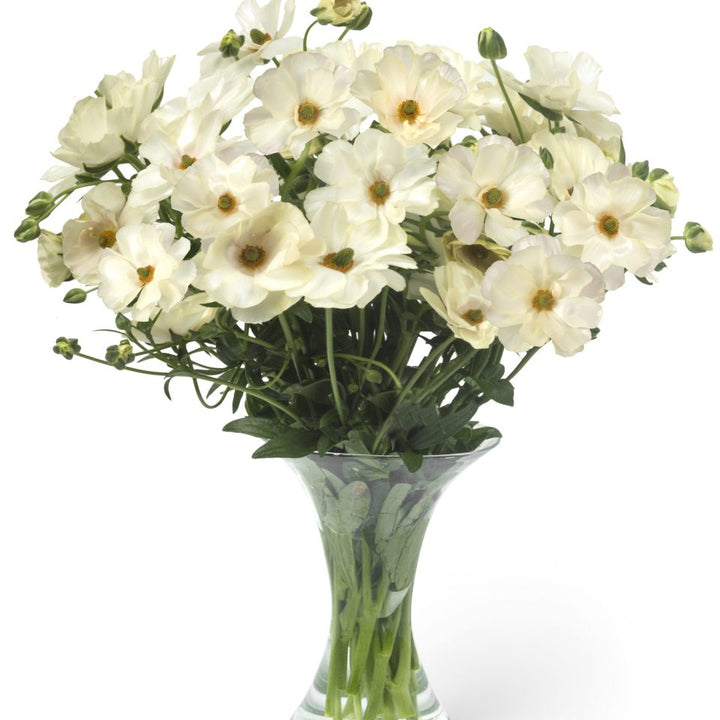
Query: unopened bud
[119, 356]
[27, 230]
[231, 43]
[491, 45]
[697, 238]
[68, 348]
[75, 296]
[40, 205]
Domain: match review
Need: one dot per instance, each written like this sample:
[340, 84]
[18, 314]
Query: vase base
[313, 707]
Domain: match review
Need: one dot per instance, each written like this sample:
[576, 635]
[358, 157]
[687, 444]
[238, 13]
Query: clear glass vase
[373, 514]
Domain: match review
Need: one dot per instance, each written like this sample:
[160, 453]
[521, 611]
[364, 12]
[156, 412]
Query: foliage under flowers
[352, 270]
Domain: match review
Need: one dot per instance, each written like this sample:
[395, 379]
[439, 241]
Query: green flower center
[146, 274]
[226, 203]
[259, 37]
[493, 198]
[379, 192]
[408, 110]
[474, 316]
[544, 301]
[342, 261]
[107, 239]
[252, 256]
[307, 113]
[609, 226]
[187, 161]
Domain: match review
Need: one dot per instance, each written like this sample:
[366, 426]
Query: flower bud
[363, 19]
[338, 12]
[119, 356]
[231, 43]
[40, 205]
[491, 45]
[697, 238]
[68, 348]
[665, 189]
[75, 296]
[27, 230]
[480, 255]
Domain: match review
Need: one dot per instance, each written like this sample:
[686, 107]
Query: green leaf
[443, 429]
[413, 461]
[641, 170]
[291, 443]
[259, 427]
[389, 516]
[553, 115]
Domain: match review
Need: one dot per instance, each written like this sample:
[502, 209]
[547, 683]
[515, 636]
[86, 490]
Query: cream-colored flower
[574, 159]
[493, 188]
[413, 95]
[188, 316]
[216, 197]
[147, 271]
[50, 257]
[541, 294]
[85, 239]
[495, 113]
[376, 177]
[304, 97]
[356, 262]
[252, 270]
[460, 302]
[610, 222]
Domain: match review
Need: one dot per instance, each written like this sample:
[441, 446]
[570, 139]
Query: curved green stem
[511, 107]
[528, 356]
[307, 33]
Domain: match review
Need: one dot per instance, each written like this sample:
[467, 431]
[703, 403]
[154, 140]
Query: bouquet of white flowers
[345, 241]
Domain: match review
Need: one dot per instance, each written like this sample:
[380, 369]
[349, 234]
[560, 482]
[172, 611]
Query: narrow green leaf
[259, 427]
[553, 115]
[413, 461]
[291, 443]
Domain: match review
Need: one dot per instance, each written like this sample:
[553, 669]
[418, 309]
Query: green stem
[290, 341]
[369, 361]
[307, 32]
[297, 168]
[344, 33]
[514, 114]
[329, 342]
[445, 373]
[528, 356]
[380, 333]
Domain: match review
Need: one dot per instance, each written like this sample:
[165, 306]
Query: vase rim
[486, 446]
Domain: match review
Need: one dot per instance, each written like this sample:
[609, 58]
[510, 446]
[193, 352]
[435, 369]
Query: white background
[149, 570]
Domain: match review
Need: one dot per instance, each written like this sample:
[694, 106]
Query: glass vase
[373, 514]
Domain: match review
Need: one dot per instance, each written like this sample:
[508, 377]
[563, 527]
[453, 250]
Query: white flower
[574, 159]
[460, 302]
[130, 100]
[302, 98]
[492, 188]
[374, 178]
[356, 262]
[215, 197]
[148, 267]
[251, 271]
[567, 84]
[91, 136]
[50, 257]
[665, 189]
[413, 95]
[225, 91]
[337, 12]
[609, 221]
[189, 315]
[263, 26]
[495, 113]
[541, 294]
[85, 239]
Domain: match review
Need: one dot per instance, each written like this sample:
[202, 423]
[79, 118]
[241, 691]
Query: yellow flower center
[408, 110]
[474, 316]
[379, 192]
[307, 113]
[187, 161]
[252, 256]
[544, 301]
[493, 198]
[146, 274]
[609, 226]
[107, 239]
[226, 203]
[342, 261]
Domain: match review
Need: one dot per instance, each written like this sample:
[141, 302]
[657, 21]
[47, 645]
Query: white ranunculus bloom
[131, 100]
[413, 95]
[460, 302]
[495, 114]
[225, 91]
[252, 270]
[376, 177]
[356, 263]
[104, 212]
[50, 257]
[187, 316]
[215, 197]
[263, 27]
[574, 159]
[493, 187]
[91, 136]
[569, 84]
[147, 266]
[609, 221]
[304, 97]
[541, 294]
